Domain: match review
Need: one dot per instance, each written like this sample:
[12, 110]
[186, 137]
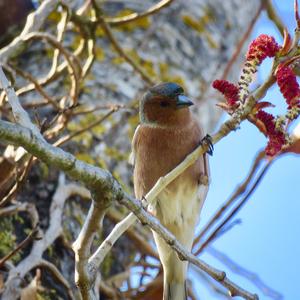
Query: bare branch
[146, 218]
[38, 87]
[63, 192]
[20, 114]
[136, 16]
[236, 208]
[23, 244]
[34, 22]
[239, 191]
[252, 277]
[273, 16]
[241, 43]
[70, 136]
[118, 48]
[59, 277]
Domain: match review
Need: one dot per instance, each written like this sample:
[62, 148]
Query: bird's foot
[208, 141]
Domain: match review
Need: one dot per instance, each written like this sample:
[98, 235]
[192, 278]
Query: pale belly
[179, 205]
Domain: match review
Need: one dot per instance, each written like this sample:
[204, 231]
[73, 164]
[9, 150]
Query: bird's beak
[183, 101]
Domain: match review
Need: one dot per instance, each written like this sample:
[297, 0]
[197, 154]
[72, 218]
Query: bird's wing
[204, 182]
[206, 166]
[131, 159]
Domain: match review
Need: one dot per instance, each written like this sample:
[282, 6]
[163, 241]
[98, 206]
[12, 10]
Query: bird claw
[208, 141]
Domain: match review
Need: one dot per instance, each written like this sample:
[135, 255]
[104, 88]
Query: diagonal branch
[251, 276]
[146, 218]
[273, 16]
[235, 210]
[239, 191]
[24, 243]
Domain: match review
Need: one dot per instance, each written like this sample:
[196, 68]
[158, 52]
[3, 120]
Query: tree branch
[234, 211]
[146, 218]
[118, 48]
[251, 276]
[34, 22]
[239, 191]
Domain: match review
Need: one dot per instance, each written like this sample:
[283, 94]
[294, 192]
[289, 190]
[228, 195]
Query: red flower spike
[263, 46]
[268, 120]
[288, 85]
[275, 144]
[229, 90]
[276, 137]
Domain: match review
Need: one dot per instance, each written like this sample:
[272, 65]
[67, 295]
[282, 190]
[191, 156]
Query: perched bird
[166, 135]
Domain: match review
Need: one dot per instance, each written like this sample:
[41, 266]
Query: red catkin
[229, 90]
[288, 85]
[263, 46]
[276, 137]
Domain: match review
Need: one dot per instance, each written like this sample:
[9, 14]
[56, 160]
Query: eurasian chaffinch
[166, 135]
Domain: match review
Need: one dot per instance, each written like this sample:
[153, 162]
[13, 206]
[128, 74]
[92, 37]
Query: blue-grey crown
[167, 89]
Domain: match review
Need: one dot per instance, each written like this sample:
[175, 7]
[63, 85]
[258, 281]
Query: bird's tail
[175, 271]
[175, 278]
[175, 290]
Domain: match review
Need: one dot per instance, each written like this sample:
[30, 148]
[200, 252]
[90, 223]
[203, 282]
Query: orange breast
[159, 150]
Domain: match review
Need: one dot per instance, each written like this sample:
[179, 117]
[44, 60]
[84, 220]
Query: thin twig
[87, 110]
[146, 218]
[61, 28]
[38, 87]
[51, 76]
[236, 208]
[34, 22]
[70, 136]
[19, 182]
[251, 276]
[136, 16]
[241, 43]
[23, 244]
[273, 16]
[75, 69]
[107, 30]
[239, 191]
[91, 45]
[59, 277]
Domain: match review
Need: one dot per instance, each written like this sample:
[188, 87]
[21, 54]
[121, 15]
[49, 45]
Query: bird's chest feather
[157, 153]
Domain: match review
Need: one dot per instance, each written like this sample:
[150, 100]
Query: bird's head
[165, 105]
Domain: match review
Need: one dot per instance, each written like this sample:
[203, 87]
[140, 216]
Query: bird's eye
[164, 103]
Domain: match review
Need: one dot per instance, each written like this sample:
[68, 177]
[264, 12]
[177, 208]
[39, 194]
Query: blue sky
[268, 240]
